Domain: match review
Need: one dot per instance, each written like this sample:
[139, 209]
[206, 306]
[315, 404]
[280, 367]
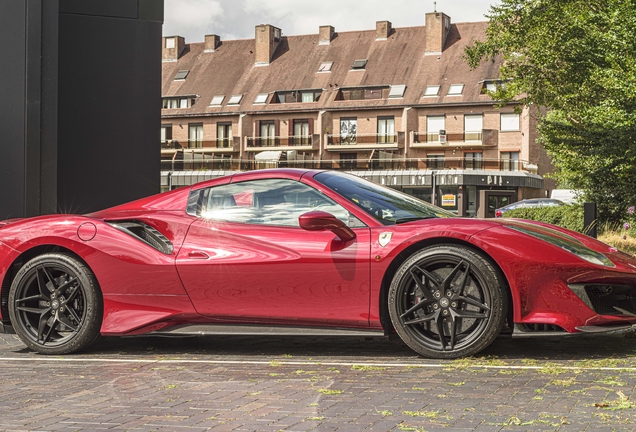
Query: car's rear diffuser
[254, 330]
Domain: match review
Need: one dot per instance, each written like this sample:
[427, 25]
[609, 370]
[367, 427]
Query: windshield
[386, 205]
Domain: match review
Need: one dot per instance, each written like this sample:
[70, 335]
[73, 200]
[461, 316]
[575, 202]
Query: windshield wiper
[413, 218]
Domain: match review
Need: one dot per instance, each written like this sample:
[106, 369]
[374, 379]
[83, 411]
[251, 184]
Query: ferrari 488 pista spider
[283, 252]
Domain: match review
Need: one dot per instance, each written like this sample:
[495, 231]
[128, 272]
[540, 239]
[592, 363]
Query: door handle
[198, 255]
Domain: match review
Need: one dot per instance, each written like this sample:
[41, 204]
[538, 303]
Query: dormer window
[276, 35]
[261, 98]
[170, 43]
[217, 100]
[363, 93]
[294, 96]
[359, 64]
[325, 67]
[432, 90]
[181, 75]
[177, 102]
[235, 99]
[455, 89]
[397, 91]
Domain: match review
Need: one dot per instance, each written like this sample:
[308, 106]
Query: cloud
[237, 18]
[192, 17]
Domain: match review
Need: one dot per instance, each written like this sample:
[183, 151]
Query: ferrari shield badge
[385, 238]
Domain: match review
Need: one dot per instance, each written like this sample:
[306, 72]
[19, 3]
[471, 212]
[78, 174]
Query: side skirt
[253, 330]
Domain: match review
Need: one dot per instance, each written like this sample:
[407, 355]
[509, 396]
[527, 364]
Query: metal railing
[288, 141]
[213, 162]
[361, 139]
[485, 136]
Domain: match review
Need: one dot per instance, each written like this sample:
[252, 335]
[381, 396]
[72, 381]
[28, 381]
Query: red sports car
[304, 252]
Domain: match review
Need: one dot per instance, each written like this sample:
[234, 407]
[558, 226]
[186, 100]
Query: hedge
[566, 216]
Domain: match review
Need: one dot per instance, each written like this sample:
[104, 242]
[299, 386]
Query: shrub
[566, 216]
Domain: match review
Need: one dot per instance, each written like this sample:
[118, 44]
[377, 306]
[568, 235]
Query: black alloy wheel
[55, 305]
[447, 301]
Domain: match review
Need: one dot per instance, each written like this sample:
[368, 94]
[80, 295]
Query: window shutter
[258, 128]
[311, 127]
[290, 129]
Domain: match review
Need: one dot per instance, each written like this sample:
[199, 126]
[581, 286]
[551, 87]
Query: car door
[246, 259]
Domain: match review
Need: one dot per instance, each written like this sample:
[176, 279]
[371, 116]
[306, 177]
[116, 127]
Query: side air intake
[146, 234]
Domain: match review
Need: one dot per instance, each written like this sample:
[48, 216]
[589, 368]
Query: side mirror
[320, 221]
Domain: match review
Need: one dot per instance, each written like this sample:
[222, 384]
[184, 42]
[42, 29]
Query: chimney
[326, 34]
[382, 30]
[437, 28]
[172, 47]
[211, 42]
[267, 39]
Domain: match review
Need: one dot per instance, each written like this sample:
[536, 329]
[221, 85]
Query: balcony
[365, 141]
[483, 138]
[302, 142]
[204, 146]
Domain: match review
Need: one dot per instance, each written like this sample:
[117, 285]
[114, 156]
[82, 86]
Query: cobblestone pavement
[322, 384]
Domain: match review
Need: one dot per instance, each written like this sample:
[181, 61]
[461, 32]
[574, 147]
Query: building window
[235, 99]
[367, 93]
[432, 90]
[170, 43]
[298, 96]
[268, 133]
[510, 122]
[455, 89]
[510, 161]
[217, 100]
[195, 135]
[397, 91]
[181, 75]
[348, 161]
[166, 136]
[302, 133]
[386, 130]
[490, 86]
[473, 124]
[359, 64]
[176, 102]
[435, 161]
[433, 125]
[224, 135]
[348, 130]
[325, 67]
[473, 160]
[261, 98]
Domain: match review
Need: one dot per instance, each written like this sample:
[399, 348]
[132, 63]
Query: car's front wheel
[55, 304]
[447, 301]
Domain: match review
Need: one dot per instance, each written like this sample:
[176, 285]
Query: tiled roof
[400, 59]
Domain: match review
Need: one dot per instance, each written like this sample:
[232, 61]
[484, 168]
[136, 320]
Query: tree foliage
[577, 59]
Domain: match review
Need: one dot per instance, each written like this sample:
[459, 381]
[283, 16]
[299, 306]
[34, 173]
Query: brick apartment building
[398, 106]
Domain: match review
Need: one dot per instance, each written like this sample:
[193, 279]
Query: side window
[277, 202]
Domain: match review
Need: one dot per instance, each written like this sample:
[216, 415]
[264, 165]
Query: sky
[236, 19]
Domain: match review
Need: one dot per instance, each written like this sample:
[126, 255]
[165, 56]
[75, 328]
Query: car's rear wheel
[447, 301]
[55, 304]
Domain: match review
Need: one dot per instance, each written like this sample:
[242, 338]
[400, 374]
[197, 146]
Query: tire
[55, 305]
[447, 301]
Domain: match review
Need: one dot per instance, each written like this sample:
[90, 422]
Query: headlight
[570, 245]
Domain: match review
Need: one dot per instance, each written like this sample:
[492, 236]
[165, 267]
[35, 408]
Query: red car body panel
[232, 272]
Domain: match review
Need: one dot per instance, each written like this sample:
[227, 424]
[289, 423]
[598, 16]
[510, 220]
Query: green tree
[577, 59]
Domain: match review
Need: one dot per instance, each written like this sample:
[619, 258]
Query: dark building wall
[109, 107]
[81, 92]
[12, 109]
